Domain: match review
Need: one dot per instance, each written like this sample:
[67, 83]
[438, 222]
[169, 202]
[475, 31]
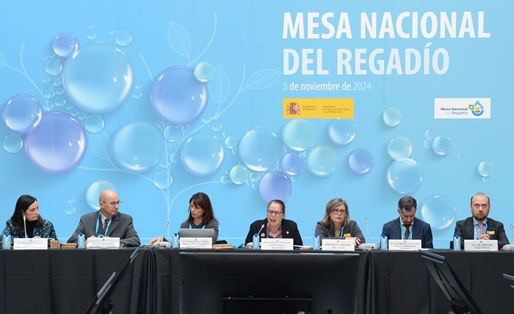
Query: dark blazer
[466, 230]
[328, 232]
[289, 230]
[420, 231]
[121, 227]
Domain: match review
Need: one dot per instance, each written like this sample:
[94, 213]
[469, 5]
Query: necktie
[407, 231]
[480, 229]
[105, 224]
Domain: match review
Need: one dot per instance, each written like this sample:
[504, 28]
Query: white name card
[276, 244]
[337, 245]
[103, 243]
[196, 243]
[30, 244]
[480, 245]
[404, 245]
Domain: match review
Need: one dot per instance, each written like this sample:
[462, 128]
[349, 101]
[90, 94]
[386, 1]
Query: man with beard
[479, 226]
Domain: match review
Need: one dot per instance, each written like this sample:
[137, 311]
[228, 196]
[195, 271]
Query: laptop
[196, 233]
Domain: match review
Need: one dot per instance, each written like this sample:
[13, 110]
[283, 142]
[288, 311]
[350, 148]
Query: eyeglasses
[340, 212]
[272, 212]
[113, 203]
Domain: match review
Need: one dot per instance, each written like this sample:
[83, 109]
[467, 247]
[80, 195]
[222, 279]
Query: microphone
[25, 226]
[368, 246]
[367, 228]
[511, 234]
[162, 244]
[262, 227]
[167, 224]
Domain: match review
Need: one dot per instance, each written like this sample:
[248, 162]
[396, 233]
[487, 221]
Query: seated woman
[275, 226]
[337, 223]
[201, 216]
[37, 227]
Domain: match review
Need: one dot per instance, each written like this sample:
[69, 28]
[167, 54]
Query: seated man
[407, 226]
[107, 222]
[479, 226]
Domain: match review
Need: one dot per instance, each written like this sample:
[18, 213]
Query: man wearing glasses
[107, 222]
[407, 226]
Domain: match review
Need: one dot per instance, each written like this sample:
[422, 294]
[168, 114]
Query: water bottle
[456, 243]
[256, 242]
[6, 241]
[383, 242]
[174, 241]
[81, 241]
[316, 244]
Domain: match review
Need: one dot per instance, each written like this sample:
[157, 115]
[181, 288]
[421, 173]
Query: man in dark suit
[407, 226]
[108, 222]
[479, 226]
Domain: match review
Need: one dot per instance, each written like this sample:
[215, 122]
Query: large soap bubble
[137, 146]
[58, 145]
[94, 190]
[65, 44]
[405, 175]
[360, 161]
[342, 131]
[442, 145]
[322, 161]
[239, 174]
[260, 149]
[22, 114]
[177, 96]
[399, 147]
[298, 134]
[439, 211]
[202, 154]
[98, 78]
[292, 164]
[275, 186]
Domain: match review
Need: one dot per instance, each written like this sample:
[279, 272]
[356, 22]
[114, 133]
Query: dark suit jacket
[289, 230]
[121, 227]
[466, 230]
[420, 231]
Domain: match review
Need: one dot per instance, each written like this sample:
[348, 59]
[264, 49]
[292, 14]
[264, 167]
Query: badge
[490, 232]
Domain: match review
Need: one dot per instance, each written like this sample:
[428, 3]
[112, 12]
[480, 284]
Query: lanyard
[477, 232]
[191, 226]
[98, 225]
[403, 232]
[341, 233]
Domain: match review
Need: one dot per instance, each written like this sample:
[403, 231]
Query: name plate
[103, 243]
[276, 244]
[404, 245]
[196, 243]
[30, 244]
[337, 245]
[480, 245]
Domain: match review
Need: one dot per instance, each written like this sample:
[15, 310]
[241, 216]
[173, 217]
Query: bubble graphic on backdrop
[65, 44]
[485, 169]
[392, 117]
[260, 149]
[439, 211]
[322, 161]
[360, 161]
[292, 164]
[342, 131]
[239, 174]
[94, 123]
[22, 114]
[399, 147]
[275, 185]
[123, 37]
[204, 72]
[202, 154]
[58, 145]
[405, 175]
[53, 66]
[98, 78]
[94, 190]
[298, 134]
[177, 96]
[162, 179]
[172, 133]
[137, 146]
[442, 145]
[429, 135]
[12, 143]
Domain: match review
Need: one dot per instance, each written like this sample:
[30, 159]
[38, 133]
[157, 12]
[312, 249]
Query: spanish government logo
[292, 108]
[477, 109]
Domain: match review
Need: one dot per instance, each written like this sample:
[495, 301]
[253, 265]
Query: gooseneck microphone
[165, 227]
[25, 226]
[262, 227]
[511, 234]
[367, 228]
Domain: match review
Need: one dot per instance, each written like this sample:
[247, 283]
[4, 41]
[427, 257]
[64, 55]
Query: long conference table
[247, 281]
